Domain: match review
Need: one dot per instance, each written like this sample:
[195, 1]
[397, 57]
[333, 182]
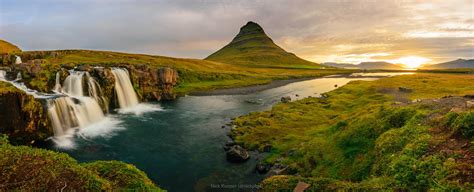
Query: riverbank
[346, 139]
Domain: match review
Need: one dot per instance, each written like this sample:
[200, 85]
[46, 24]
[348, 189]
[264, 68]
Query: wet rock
[223, 126]
[297, 95]
[83, 68]
[228, 145]
[278, 169]
[405, 89]
[262, 168]
[285, 99]
[237, 154]
[267, 148]
[335, 85]
[23, 118]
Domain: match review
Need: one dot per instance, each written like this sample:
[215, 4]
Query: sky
[345, 31]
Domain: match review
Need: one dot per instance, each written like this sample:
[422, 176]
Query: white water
[18, 60]
[57, 86]
[78, 110]
[74, 108]
[22, 86]
[123, 87]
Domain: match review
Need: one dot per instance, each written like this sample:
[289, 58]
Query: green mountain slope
[6, 48]
[252, 47]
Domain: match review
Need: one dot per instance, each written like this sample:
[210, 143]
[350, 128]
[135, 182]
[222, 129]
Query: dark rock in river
[285, 99]
[237, 154]
[262, 167]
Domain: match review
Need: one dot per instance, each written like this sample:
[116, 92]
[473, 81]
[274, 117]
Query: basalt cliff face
[22, 117]
[25, 119]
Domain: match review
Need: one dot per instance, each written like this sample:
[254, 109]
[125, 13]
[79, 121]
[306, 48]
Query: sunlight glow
[411, 62]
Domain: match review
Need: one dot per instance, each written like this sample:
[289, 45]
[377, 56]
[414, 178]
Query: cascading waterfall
[18, 60]
[57, 86]
[78, 109]
[123, 87]
[18, 77]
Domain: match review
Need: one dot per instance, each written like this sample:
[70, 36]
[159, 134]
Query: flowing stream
[180, 147]
[178, 144]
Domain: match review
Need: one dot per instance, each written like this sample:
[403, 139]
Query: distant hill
[6, 48]
[367, 65]
[456, 64]
[252, 47]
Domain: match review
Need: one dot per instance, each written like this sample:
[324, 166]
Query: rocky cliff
[22, 117]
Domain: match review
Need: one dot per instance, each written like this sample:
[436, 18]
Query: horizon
[394, 32]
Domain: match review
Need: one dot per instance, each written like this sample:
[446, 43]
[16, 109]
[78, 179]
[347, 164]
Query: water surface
[180, 146]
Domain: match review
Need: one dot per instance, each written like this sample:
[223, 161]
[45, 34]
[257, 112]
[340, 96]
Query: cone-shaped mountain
[252, 47]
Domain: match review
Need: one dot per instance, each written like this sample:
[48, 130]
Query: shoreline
[250, 89]
[277, 83]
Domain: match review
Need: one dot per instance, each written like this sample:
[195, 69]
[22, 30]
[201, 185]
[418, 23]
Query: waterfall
[123, 87]
[18, 77]
[57, 86]
[67, 112]
[2, 74]
[79, 108]
[18, 60]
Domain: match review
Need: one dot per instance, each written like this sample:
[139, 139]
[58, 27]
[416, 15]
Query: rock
[469, 96]
[335, 85]
[228, 145]
[237, 154]
[297, 95]
[405, 89]
[470, 104]
[168, 79]
[267, 148]
[83, 68]
[262, 168]
[278, 169]
[223, 126]
[23, 118]
[285, 99]
[301, 186]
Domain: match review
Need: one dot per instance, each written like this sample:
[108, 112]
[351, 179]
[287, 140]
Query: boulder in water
[237, 154]
[285, 99]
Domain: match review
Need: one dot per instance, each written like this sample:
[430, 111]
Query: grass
[8, 48]
[194, 74]
[30, 169]
[361, 133]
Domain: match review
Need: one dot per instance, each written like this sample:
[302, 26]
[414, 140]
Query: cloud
[319, 30]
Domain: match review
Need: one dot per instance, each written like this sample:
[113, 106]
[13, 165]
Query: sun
[412, 62]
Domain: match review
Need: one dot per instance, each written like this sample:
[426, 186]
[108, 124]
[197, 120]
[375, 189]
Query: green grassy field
[369, 136]
[195, 74]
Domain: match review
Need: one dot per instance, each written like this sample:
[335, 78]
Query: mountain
[459, 63]
[252, 47]
[6, 48]
[367, 65]
[379, 65]
[341, 65]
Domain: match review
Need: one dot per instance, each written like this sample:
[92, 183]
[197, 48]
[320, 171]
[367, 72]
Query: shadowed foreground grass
[30, 169]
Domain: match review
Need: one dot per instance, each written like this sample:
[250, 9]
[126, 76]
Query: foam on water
[140, 109]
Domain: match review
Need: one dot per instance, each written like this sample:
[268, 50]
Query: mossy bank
[395, 133]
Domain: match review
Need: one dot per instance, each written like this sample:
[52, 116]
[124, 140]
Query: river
[180, 145]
